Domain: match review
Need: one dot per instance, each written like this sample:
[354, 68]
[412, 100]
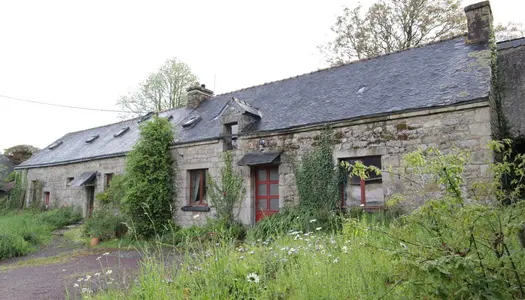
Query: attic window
[91, 139]
[55, 145]
[146, 116]
[232, 131]
[191, 122]
[121, 132]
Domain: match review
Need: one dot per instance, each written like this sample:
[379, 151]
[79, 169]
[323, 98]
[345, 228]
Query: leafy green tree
[391, 25]
[228, 193]
[163, 89]
[20, 153]
[149, 179]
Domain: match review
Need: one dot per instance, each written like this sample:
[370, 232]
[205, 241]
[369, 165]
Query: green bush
[104, 224]
[61, 217]
[13, 246]
[296, 219]
[149, 185]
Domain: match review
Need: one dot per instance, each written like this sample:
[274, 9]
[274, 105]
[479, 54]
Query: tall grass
[22, 232]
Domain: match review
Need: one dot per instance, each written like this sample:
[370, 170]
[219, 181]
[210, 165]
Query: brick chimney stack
[196, 94]
[479, 22]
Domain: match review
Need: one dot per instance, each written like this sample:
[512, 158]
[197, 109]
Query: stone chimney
[196, 94]
[479, 22]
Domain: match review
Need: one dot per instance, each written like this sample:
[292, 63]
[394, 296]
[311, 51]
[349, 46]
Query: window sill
[195, 208]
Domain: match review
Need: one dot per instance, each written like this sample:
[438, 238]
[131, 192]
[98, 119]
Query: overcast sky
[87, 53]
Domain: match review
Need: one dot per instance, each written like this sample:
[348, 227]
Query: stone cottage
[380, 109]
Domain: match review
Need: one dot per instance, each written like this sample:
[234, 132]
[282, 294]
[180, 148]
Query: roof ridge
[511, 40]
[346, 64]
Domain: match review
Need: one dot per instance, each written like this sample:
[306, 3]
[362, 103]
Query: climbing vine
[149, 179]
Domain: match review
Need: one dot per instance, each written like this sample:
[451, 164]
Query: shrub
[105, 224]
[296, 219]
[149, 184]
[115, 192]
[317, 178]
[13, 246]
[61, 217]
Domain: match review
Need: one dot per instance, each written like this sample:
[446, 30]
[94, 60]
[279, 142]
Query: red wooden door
[46, 198]
[266, 192]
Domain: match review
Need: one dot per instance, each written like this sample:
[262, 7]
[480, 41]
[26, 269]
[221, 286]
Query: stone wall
[511, 67]
[54, 180]
[391, 137]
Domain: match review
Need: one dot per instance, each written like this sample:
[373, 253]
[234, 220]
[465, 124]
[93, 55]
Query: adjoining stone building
[380, 109]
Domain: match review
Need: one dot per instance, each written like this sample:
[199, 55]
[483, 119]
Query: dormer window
[191, 122]
[55, 145]
[231, 135]
[121, 132]
[91, 139]
[146, 116]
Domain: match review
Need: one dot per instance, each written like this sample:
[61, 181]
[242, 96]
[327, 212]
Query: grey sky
[88, 53]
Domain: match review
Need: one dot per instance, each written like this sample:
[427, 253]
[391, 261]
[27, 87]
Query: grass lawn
[23, 232]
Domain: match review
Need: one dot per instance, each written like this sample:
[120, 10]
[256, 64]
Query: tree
[163, 89]
[391, 25]
[149, 179]
[510, 31]
[20, 153]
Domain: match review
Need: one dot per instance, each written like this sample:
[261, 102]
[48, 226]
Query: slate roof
[503, 45]
[439, 74]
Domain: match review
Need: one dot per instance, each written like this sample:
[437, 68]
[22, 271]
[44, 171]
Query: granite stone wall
[466, 127]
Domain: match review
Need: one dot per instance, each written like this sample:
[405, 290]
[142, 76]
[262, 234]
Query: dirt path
[48, 273]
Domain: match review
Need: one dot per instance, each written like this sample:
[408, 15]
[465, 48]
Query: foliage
[511, 30]
[115, 192]
[211, 232]
[150, 174]
[163, 89]
[22, 233]
[104, 224]
[391, 25]
[17, 194]
[317, 178]
[20, 153]
[296, 219]
[228, 193]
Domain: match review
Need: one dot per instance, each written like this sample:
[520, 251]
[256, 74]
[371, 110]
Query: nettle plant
[459, 244]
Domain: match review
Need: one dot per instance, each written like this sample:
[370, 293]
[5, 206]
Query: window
[121, 132]
[91, 139]
[197, 187]
[363, 192]
[55, 145]
[68, 180]
[232, 131]
[107, 179]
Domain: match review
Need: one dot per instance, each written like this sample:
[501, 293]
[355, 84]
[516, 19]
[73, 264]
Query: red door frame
[260, 214]
[47, 195]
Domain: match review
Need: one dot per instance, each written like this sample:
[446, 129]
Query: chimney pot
[196, 94]
[479, 22]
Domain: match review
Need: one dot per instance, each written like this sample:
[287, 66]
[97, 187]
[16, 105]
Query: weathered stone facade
[466, 127]
[54, 180]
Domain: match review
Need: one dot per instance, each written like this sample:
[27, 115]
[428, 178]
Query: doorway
[266, 192]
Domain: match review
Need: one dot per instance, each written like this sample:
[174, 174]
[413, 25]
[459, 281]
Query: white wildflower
[98, 258]
[319, 228]
[251, 252]
[252, 277]
[105, 254]
[241, 257]
[313, 220]
[241, 249]
[109, 272]
[403, 245]
[293, 251]
[87, 278]
[75, 285]
[97, 274]
[80, 279]
[336, 260]
[345, 249]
